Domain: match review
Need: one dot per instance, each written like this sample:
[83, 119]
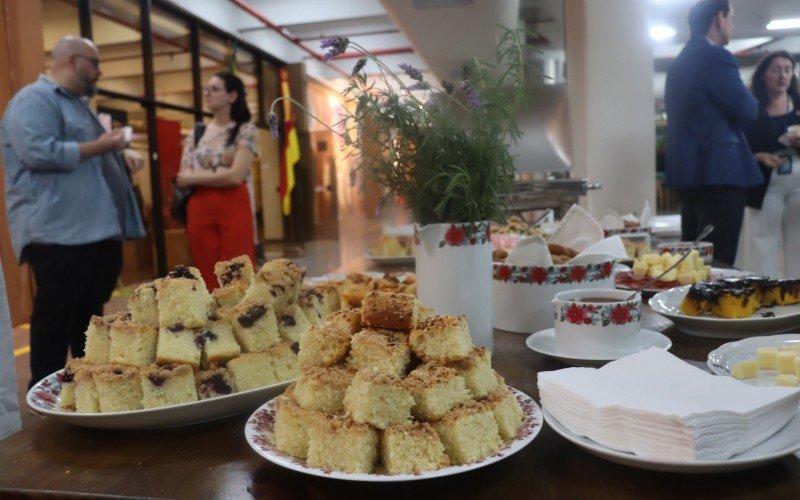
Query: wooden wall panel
[21, 62]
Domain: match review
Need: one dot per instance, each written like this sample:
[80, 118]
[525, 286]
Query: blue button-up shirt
[51, 195]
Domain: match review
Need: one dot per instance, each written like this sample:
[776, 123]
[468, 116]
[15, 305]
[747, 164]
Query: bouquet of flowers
[441, 148]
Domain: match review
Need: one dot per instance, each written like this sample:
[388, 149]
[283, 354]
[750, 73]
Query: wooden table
[213, 460]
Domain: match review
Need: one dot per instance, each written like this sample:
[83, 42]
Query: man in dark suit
[708, 105]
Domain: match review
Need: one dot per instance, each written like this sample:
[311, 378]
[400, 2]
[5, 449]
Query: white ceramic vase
[454, 273]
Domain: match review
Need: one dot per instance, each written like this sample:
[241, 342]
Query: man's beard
[91, 89]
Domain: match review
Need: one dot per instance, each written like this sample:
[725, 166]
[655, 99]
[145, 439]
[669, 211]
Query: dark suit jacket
[762, 136]
[708, 105]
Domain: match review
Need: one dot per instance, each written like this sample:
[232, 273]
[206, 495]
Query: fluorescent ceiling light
[661, 33]
[783, 24]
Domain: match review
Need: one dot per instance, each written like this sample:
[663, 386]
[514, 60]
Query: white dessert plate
[544, 342]
[316, 280]
[259, 434]
[43, 399]
[391, 261]
[765, 321]
[721, 360]
[784, 442]
[624, 279]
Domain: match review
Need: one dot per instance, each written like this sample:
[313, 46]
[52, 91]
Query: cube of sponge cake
[291, 426]
[167, 385]
[412, 448]
[132, 343]
[323, 345]
[441, 339]
[354, 288]
[477, 371]
[348, 320]
[143, 305]
[277, 283]
[469, 432]
[237, 270]
[436, 390]
[260, 369]
[85, 393]
[397, 311]
[383, 349]
[183, 300]
[292, 322]
[213, 383]
[219, 343]
[118, 388]
[254, 325]
[229, 296]
[98, 340]
[66, 399]
[340, 444]
[322, 388]
[378, 399]
[507, 412]
[178, 345]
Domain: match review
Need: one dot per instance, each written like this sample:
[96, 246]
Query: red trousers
[219, 227]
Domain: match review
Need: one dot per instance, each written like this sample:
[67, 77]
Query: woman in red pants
[220, 222]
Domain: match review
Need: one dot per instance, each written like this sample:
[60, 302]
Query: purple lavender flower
[411, 72]
[359, 66]
[471, 92]
[419, 86]
[337, 45]
[272, 121]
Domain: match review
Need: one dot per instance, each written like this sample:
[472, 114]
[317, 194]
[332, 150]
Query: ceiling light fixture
[783, 24]
[661, 33]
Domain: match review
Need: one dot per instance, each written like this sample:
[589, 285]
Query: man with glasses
[69, 200]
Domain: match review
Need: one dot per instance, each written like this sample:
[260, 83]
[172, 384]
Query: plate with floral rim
[259, 432]
[43, 399]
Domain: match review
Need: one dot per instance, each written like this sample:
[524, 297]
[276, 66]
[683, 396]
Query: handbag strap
[199, 130]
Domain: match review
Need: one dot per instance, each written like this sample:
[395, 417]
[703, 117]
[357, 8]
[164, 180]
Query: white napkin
[653, 404]
[399, 230]
[611, 247]
[530, 251]
[577, 230]
[611, 220]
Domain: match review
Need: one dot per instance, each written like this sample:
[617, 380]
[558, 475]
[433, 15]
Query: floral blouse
[213, 145]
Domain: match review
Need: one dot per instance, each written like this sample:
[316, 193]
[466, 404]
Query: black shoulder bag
[180, 195]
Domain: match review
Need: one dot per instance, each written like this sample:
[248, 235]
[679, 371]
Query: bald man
[69, 200]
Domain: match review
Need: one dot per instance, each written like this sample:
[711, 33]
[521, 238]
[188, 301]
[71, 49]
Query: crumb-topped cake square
[386, 350]
[378, 399]
[441, 339]
[411, 449]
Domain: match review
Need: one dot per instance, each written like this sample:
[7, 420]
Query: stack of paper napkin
[655, 405]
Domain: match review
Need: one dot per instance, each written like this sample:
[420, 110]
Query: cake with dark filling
[183, 299]
[292, 322]
[143, 304]
[98, 338]
[218, 341]
[167, 385]
[237, 270]
[254, 325]
[118, 388]
[213, 383]
[178, 345]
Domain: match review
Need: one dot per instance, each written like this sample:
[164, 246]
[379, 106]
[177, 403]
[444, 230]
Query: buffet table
[213, 460]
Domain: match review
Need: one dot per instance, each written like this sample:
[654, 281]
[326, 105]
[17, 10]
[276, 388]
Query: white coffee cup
[596, 322]
[127, 132]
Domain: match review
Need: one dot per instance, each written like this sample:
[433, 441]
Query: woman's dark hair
[703, 13]
[759, 88]
[239, 111]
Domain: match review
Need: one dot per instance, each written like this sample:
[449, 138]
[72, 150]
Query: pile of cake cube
[178, 343]
[391, 387]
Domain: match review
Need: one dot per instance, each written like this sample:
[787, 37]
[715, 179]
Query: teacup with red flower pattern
[593, 321]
